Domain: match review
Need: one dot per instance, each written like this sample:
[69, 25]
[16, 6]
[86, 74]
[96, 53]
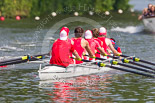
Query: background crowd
[148, 12]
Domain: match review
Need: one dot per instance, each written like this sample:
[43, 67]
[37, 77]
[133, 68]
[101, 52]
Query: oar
[129, 66]
[22, 59]
[100, 64]
[128, 61]
[134, 63]
[139, 60]
[114, 57]
[130, 71]
[133, 58]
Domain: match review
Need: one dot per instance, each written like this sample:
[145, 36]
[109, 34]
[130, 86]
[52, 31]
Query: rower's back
[80, 44]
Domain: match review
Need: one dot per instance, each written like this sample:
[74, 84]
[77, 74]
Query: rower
[95, 32]
[61, 50]
[81, 44]
[70, 41]
[106, 41]
[94, 45]
[115, 45]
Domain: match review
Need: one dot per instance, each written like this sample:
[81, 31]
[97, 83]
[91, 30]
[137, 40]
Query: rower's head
[64, 32]
[78, 32]
[113, 41]
[102, 32]
[88, 34]
[149, 6]
[95, 32]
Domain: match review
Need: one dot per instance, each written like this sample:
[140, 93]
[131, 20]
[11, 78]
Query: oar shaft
[20, 58]
[126, 70]
[124, 56]
[13, 62]
[130, 71]
[133, 67]
[23, 59]
[141, 65]
[144, 61]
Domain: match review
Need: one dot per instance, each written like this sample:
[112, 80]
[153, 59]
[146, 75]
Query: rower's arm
[50, 52]
[101, 50]
[76, 54]
[88, 49]
[112, 48]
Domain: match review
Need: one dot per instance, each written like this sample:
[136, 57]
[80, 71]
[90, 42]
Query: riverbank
[50, 20]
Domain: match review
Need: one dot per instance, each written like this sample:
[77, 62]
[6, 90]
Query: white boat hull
[55, 72]
[149, 24]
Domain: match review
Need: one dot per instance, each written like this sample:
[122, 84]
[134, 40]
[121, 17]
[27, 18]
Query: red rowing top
[93, 45]
[101, 45]
[78, 48]
[104, 43]
[61, 53]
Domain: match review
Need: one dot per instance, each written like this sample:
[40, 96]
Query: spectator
[152, 11]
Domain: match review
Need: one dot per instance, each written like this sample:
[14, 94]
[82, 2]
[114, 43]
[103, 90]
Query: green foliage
[121, 4]
[27, 8]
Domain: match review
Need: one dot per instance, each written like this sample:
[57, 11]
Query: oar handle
[114, 57]
[81, 59]
[124, 55]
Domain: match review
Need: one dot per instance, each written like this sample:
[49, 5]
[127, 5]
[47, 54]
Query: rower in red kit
[115, 45]
[94, 45]
[61, 50]
[81, 44]
[95, 32]
[70, 41]
[106, 41]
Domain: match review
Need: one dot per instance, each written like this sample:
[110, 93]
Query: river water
[20, 83]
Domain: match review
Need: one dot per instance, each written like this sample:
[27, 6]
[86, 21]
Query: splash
[129, 29]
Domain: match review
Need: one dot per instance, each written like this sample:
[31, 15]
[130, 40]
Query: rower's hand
[92, 56]
[104, 54]
[109, 51]
[78, 59]
[118, 54]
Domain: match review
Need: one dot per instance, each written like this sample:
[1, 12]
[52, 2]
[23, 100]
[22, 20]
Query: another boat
[149, 23]
[57, 72]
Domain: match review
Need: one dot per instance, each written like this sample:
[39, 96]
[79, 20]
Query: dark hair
[78, 32]
[113, 39]
[95, 32]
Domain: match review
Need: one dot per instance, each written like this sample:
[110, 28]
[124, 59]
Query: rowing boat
[52, 72]
[149, 23]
